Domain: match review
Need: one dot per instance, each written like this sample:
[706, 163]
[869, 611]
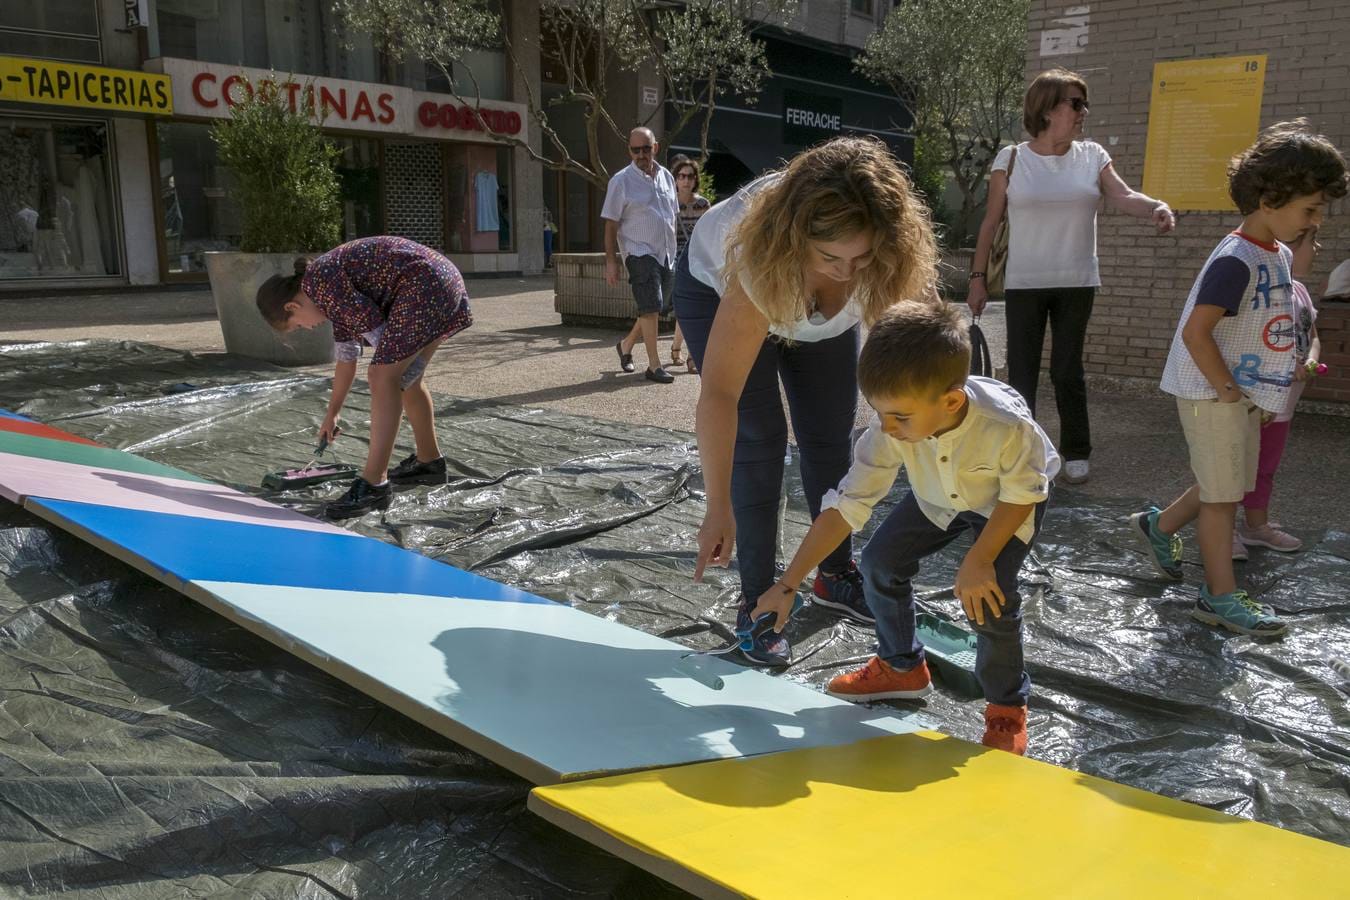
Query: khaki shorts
[1225, 444]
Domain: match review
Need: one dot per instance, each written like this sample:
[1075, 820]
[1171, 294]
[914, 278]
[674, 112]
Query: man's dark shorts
[652, 284]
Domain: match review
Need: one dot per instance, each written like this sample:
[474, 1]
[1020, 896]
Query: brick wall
[414, 203]
[1145, 278]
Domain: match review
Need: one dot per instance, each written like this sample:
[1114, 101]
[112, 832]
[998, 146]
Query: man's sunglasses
[645, 148]
[1078, 103]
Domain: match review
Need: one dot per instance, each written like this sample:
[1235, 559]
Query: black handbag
[980, 362]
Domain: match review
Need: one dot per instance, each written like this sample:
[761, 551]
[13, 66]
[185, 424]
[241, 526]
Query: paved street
[519, 353]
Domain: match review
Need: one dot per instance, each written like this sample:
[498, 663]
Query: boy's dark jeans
[1068, 310]
[891, 559]
[821, 383]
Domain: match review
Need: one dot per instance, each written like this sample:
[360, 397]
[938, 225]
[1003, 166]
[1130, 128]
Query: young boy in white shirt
[1232, 361]
[977, 461]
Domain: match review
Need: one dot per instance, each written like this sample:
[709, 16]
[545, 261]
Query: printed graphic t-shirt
[1251, 282]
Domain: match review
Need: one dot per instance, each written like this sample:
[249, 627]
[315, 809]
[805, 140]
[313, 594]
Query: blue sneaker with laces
[843, 594]
[1163, 549]
[764, 649]
[1238, 612]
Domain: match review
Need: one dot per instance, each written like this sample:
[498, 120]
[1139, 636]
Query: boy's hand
[977, 588]
[777, 599]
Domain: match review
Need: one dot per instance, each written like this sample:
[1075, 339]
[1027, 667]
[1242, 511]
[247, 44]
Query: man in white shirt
[640, 212]
[978, 462]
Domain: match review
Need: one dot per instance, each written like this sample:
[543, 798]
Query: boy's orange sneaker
[879, 680]
[1005, 728]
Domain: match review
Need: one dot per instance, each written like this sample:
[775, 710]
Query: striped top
[646, 207]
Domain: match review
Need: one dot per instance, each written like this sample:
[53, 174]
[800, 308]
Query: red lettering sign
[197, 90]
[386, 103]
[464, 118]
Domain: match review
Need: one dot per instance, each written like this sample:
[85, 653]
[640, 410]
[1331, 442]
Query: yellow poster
[87, 87]
[1203, 113]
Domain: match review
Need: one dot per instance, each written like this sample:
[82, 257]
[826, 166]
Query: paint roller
[311, 472]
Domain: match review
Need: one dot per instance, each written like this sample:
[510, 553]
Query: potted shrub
[286, 186]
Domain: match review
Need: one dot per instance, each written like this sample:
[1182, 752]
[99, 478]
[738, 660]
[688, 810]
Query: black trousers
[1068, 311]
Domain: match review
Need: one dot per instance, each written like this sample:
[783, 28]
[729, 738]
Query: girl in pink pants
[1259, 531]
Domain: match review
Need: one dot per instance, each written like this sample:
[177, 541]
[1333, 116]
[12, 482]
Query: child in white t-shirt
[1233, 360]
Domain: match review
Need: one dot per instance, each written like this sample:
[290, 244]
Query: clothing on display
[56, 215]
[485, 201]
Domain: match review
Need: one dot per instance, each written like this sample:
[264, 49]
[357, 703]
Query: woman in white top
[774, 285]
[1051, 201]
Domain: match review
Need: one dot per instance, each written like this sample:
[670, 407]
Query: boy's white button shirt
[997, 454]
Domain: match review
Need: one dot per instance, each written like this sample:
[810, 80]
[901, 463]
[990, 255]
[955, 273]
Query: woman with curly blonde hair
[775, 285]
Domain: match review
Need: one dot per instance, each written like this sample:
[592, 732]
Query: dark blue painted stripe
[189, 548]
[6, 414]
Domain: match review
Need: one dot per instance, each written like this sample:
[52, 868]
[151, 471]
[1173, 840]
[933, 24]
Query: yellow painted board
[925, 815]
[57, 83]
[1202, 113]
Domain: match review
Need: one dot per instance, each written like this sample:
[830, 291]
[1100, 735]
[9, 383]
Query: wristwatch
[974, 275]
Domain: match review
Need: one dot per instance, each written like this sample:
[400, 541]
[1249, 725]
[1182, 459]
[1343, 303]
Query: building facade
[1115, 45]
[123, 186]
[812, 94]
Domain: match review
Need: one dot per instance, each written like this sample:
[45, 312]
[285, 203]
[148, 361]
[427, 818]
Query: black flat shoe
[360, 499]
[659, 375]
[413, 471]
[625, 359]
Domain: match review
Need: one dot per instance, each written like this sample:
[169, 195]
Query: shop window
[200, 213]
[359, 174]
[863, 7]
[478, 198]
[58, 218]
[52, 29]
[59, 16]
[285, 35]
[49, 46]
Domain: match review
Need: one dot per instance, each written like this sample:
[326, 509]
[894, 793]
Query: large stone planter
[581, 296]
[235, 278]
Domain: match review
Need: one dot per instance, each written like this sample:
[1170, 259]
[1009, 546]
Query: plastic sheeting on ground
[149, 748]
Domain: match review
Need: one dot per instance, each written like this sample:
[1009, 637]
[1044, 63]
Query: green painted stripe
[86, 455]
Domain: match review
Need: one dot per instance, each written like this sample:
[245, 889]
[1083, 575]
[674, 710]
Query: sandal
[675, 356]
[690, 367]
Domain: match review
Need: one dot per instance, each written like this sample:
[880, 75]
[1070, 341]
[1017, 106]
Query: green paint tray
[950, 650]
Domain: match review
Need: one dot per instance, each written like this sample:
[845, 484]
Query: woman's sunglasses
[1078, 103]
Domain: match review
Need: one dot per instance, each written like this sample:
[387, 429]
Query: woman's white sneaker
[1076, 471]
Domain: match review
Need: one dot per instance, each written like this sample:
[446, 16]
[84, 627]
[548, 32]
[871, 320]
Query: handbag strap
[981, 363]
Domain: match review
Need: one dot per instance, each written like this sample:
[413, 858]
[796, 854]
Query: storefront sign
[87, 87]
[1203, 112]
[209, 90]
[135, 11]
[808, 118]
[432, 115]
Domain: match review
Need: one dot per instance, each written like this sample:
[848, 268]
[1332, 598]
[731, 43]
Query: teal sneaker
[1164, 549]
[1238, 612]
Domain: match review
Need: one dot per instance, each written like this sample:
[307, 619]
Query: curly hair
[921, 349]
[1288, 160]
[829, 192]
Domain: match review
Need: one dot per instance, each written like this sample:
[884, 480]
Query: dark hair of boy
[915, 348]
[1288, 160]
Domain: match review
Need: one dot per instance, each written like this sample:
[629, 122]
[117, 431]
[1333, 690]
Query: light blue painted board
[6, 414]
[178, 548]
[547, 691]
